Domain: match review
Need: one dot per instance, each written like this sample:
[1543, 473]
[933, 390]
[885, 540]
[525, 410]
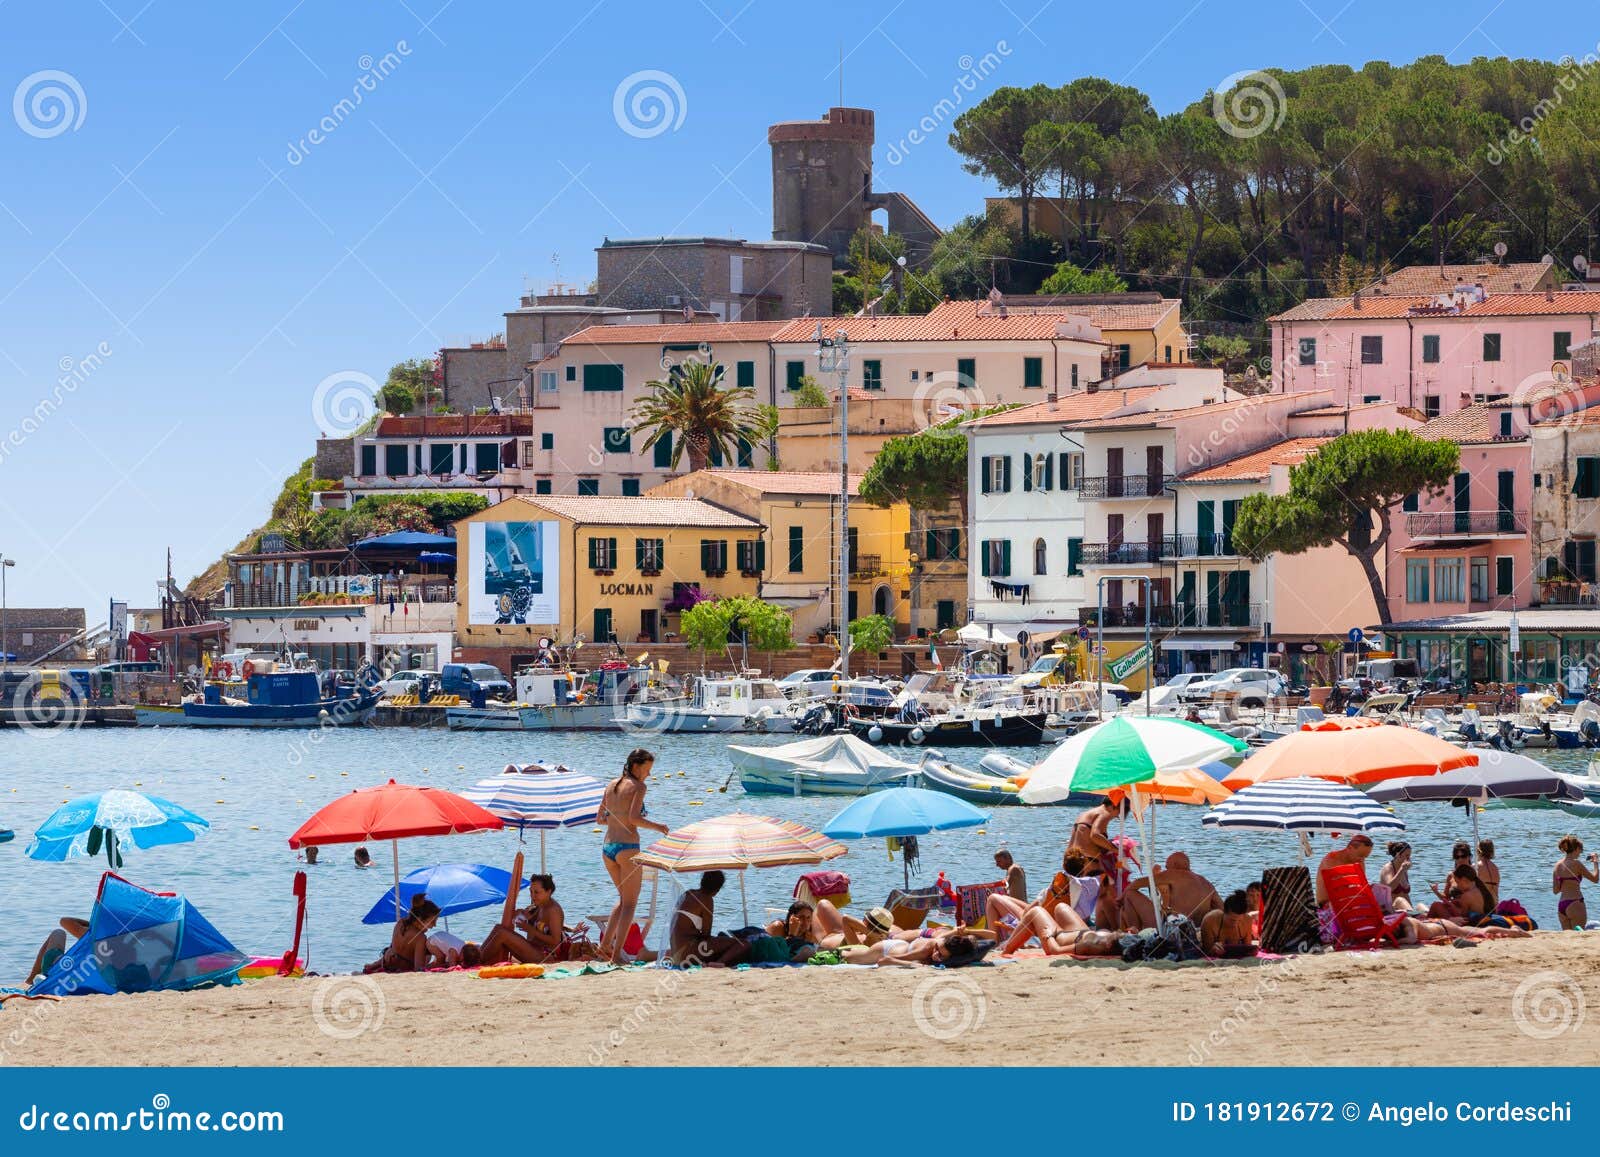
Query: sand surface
[1505, 1003]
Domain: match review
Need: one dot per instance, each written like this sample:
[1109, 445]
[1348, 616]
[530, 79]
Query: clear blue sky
[170, 227]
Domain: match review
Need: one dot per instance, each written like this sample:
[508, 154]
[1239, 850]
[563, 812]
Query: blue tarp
[142, 941]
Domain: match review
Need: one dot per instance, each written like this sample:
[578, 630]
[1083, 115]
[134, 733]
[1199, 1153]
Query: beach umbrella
[533, 797]
[408, 540]
[738, 841]
[1342, 723]
[454, 887]
[112, 819]
[393, 812]
[1497, 775]
[1123, 751]
[903, 811]
[1302, 806]
[1355, 755]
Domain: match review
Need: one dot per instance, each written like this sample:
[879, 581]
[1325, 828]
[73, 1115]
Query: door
[1185, 611]
[1154, 471]
[1463, 503]
[650, 625]
[1230, 511]
[1206, 527]
[1113, 536]
[1213, 598]
[1114, 485]
[880, 601]
[602, 625]
[1236, 593]
[1505, 501]
[1155, 527]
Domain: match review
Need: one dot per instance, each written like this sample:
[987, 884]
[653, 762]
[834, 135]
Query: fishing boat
[996, 727]
[837, 764]
[559, 699]
[272, 699]
[744, 702]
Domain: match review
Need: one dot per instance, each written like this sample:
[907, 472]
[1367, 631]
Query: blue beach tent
[142, 941]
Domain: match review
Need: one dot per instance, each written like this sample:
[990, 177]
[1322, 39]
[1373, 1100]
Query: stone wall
[335, 459]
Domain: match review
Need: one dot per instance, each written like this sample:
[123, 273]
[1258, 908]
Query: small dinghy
[836, 764]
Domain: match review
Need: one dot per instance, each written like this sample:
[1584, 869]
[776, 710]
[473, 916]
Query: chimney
[1549, 293]
[1355, 300]
[1052, 397]
[1092, 388]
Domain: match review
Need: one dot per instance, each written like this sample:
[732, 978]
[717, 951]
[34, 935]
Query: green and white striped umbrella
[1124, 751]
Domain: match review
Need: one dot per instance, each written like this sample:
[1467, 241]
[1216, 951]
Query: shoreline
[1521, 1002]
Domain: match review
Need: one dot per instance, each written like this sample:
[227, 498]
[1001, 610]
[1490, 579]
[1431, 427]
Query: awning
[792, 594]
[1186, 644]
[193, 629]
[1038, 632]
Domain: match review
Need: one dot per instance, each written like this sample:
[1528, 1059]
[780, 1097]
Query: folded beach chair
[1360, 920]
[1288, 911]
[649, 885]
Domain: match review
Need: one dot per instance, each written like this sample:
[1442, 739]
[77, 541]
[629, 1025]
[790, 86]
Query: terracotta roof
[676, 333]
[948, 321]
[823, 482]
[1510, 278]
[1495, 305]
[1334, 411]
[596, 510]
[1470, 424]
[1071, 408]
[1131, 313]
[1258, 463]
[1162, 417]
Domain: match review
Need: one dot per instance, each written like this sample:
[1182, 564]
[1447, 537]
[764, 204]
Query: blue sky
[166, 248]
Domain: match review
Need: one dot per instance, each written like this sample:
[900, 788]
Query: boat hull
[981, 788]
[321, 713]
[998, 731]
[693, 721]
[482, 719]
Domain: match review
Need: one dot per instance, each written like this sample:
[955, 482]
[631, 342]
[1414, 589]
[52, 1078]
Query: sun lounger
[1360, 920]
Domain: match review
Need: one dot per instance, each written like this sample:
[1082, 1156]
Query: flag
[933, 655]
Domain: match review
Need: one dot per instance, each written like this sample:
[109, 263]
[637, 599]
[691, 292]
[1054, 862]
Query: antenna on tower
[841, 74]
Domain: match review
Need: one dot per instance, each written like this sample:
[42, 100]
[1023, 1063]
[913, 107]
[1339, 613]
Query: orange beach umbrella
[1354, 755]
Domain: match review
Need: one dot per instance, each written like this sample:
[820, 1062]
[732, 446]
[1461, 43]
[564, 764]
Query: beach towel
[973, 899]
[1288, 911]
[823, 885]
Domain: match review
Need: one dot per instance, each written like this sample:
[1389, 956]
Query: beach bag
[1288, 911]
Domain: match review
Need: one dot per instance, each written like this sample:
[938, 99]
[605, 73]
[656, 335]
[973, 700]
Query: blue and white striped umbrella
[532, 796]
[1301, 805]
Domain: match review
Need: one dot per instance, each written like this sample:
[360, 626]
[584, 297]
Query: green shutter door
[1205, 526]
[1005, 558]
[1074, 556]
[602, 624]
[966, 373]
[745, 375]
[1032, 373]
[1230, 511]
[793, 372]
[797, 549]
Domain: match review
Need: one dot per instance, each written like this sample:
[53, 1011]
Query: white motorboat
[836, 764]
[745, 702]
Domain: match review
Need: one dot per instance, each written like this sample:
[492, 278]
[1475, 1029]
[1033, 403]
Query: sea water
[257, 787]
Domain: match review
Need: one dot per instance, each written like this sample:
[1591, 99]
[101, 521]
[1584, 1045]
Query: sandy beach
[1519, 1003]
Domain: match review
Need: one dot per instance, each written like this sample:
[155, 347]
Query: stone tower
[822, 178]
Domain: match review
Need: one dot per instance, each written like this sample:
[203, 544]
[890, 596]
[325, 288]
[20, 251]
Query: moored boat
[275, 699]
[980, 729]
[836, 764]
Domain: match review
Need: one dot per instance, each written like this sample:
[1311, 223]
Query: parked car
[1169, 694]
[1373, 671]
[406, 682]
[475, 682]
[808, 682]
[1251, 686]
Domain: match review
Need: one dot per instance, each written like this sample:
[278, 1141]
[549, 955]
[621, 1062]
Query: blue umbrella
[454, 887]
[407, 540]
[539, 798]
[80, 827]
[903, 811]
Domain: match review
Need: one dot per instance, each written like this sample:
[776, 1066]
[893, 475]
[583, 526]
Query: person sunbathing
[1069, 887]
[1229, 932]
[798, 930]
[55, 946]
[408, 946]
[1420, 930]
[949, 949]
[538, 933]
[1068, 936]
[1488, 871]
[1184, 892]
[692, 938]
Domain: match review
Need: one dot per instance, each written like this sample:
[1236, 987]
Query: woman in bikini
[1396, 876]
[539, 936]
[1488, 871]
[1066, 936]
[408, 947]
[622, 810]
[950, 950]
[1446, 906]
[1568, 880]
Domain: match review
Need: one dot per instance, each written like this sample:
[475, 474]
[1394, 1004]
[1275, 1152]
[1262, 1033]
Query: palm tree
[698, 413]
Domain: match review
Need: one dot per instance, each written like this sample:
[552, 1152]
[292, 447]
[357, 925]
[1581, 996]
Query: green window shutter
[985, 475]
[1430, 347]
[761, 555]
[986, 552]
[1074, 556]
[594, 554]
[1205, 525]
[542, 486]
[1049, 472]
[932, 543]
[618, 440]
[589, 487]
[369, 460]
[602, 624]
[611, 553]
[1491, 347]
[602, 376]
[705, 555]
[745, 375]
[1032, 373]
[872, 374]
[1027, 472]
[1505, 572]
[797, 549]
[747, 454]
[966, 373]
[1563, 345]
[1006, 487]
[1005, 557]
[1587, 484]
[547, 441]
[1409, 503]
[955, 543]
[630, 488]
[572, 373]
[663, 451]
[793, 372]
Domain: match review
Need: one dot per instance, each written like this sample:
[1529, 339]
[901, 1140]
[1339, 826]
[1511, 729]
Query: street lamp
[5, 635]
[833, 356]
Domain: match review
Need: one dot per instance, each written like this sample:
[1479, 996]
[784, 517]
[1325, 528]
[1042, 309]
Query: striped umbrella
[736, 842]
[1303, 806]
[532, 796]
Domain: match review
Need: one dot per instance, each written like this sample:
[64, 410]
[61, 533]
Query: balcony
[1163, 616]
[1202, 546]
[1183, 616]
[865, 565]
[1126, 553]
[1466, 523]
[1127, 486]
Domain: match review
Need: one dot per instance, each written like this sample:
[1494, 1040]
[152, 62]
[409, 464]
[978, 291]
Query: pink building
[1435, 353]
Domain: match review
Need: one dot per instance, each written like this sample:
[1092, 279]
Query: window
[997, 557]
[1369, 399]
[1308, 351]
[966, 373]
[744, 375]
[1505, 575]
[618, 440]
[793, 372]
[1039, 472]
[1032, 373]
[1074, 375]
[945, 615]
[547, 381]
[397, 461]
[1416, 580]
[602, 626]
[1430, 405]
[441, 458]
[1579, 559]
[572, 373]
[1491, 347]
[1562, 346]
[1166, 354]
[1478, 570]
[663, 451]
[1074, 556]
[1447, 576]
[630, 488]
[1072, 470]
[1372, 351]
[589, 486]
[944, 545]
[547, 441]
[542, 486]
[1409, 503]
[648, 553]
[871, 374]
[714, 556]
[1040, 557]
[1430, 348]
[1505, 423]
[997, 474]
[369, 460]
[602, 554]
[1587, 484]
[797, 549]
[1124, 356]
[602, 377]
[752, 555]
[746, 454]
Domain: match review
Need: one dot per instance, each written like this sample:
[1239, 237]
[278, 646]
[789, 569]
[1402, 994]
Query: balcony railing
[1127, 486]
[1444, 523]
[866, 565]
[1188, 616]
[1126, 553]
[1216, 545]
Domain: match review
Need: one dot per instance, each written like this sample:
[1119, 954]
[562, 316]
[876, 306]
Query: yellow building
[800, 513]
[597, 568]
